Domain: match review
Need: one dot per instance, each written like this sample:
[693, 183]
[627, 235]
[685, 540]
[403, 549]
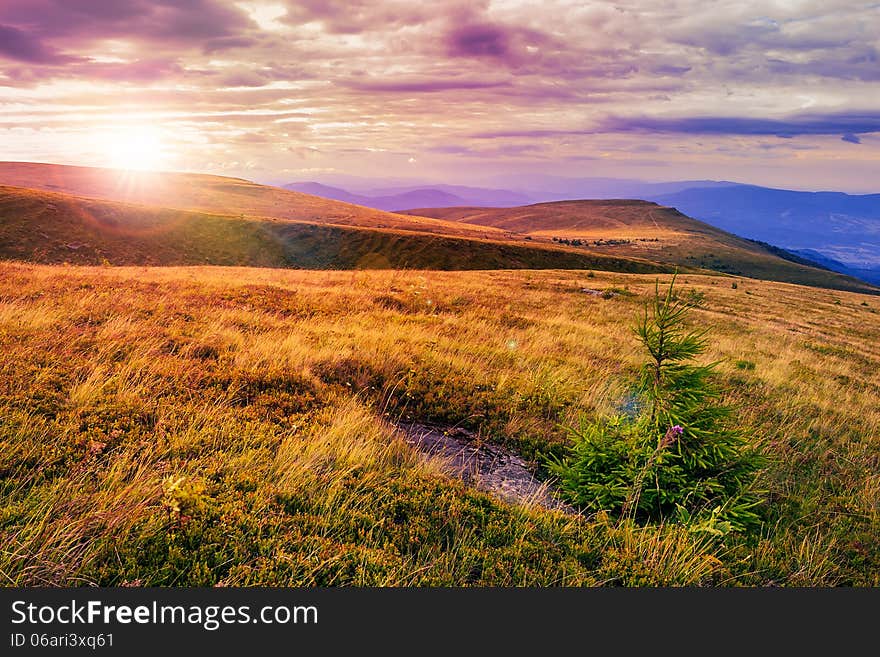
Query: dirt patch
[491, 468]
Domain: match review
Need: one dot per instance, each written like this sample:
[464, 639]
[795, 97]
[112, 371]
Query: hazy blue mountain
[476, 196]
[871, 275]
[404, 198]
[819, 259]
[416, 198]
[844, 229]
[545, 187]
[325, 191]
[521, 190]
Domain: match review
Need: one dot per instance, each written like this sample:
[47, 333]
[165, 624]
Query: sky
[783, 93]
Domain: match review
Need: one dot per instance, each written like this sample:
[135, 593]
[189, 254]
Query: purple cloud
[851, 124]
[244, 78]
[227, 43]
[671, 70]
[142, 70]
[470, 35]
[506, 150]
[57, 38]
[359, 16]
[86, 20]
[530, 134]
[848, 124]
[863, 64]
[23, 47]
[481, 40]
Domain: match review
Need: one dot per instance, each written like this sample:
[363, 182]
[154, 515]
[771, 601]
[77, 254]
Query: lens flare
[137, 148]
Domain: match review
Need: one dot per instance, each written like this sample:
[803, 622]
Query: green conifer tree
[682, 458]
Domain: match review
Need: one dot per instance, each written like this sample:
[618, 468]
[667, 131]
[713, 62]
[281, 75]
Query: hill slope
[49, 227]
[647, 230]
[237, 217]
[215, 194]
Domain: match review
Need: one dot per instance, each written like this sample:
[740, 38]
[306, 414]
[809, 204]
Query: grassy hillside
[174, 426]
[56, 228]
[216, 194]
[646, 230]
[587, 219]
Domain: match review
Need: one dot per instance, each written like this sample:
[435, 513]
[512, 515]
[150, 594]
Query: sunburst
[136, 148]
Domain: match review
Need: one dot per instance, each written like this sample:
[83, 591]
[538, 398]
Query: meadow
[226, 426]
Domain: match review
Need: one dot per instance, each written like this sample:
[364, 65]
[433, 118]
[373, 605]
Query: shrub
[681, 459]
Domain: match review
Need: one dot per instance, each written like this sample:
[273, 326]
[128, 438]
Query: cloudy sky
[783, 92]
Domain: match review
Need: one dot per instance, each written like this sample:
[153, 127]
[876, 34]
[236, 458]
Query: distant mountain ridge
[871, 275]
[404, 198]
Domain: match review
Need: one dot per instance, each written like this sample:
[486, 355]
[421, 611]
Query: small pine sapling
[682, 458]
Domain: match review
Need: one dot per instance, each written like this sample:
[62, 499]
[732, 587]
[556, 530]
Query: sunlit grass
[270, 396]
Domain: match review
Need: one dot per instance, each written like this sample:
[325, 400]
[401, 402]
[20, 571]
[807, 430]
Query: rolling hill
[50, 227]
[215, 194]
[646, 230]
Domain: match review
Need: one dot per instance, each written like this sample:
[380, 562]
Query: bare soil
[489, 467]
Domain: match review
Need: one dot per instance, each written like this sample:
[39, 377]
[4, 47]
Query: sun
[136, 148]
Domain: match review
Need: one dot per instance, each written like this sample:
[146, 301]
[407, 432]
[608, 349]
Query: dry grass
[198, 426]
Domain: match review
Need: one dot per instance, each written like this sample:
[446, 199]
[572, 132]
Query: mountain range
[835, 230]
[840, 231]
[403, 198]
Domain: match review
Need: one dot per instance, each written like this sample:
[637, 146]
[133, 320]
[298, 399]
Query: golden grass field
[235, 426]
